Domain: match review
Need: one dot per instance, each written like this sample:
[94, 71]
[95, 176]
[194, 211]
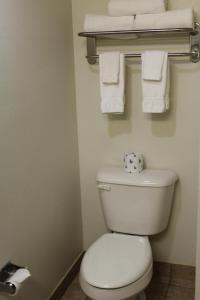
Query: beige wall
[197, 294]
[40, 216]
[167, 141]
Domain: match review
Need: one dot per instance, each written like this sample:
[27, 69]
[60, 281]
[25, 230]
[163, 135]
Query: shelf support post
[195, 44]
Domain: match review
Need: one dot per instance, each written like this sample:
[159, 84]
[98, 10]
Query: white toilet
[119, 265]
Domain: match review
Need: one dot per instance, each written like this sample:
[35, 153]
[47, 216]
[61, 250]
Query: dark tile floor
[170, 282]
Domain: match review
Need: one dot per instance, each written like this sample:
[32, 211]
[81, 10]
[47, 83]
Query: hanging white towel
[134, 7]
[105, 23]
[156, 92]
[110, 67]
[183, 18]
[152, 65]
[112, 94]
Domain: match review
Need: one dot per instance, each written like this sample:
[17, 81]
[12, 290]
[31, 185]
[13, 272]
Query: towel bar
[195, 54]
[194, 34]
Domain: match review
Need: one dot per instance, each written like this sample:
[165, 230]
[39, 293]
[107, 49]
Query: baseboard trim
[67, 280]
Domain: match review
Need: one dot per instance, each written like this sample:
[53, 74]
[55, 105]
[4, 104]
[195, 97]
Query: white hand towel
[94, 23]
[152, 65]
[183, 18]
[112, 95]
[156, 92]
[110, 67]
[134, 7]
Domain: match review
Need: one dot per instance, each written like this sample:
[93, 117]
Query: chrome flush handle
[104, 187]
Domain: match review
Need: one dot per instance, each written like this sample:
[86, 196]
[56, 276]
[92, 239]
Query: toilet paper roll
[18, 278]
[133, 163]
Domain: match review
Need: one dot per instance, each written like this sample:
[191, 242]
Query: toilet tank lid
[148, 177]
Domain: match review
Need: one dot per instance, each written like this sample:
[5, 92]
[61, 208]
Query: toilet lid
[116, 260]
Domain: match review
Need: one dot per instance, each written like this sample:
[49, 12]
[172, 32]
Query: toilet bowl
[116, 267]
[119, 265]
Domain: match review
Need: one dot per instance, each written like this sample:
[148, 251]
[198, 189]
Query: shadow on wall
[162, 125]
[125, 119]
[165, 240]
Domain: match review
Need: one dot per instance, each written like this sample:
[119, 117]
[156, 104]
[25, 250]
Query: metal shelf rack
[193, 33]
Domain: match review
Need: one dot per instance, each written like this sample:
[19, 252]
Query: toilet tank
[137, 204]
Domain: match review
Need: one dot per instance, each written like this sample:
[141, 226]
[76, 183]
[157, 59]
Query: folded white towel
[156, 92]
[112, 95]
[183, 18]
[135, 7]
[105, 23]
[152, 65]
[110, 67]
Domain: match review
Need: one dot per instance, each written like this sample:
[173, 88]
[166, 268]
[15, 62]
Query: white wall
[167, 141]
[197, 290]
[40, 217]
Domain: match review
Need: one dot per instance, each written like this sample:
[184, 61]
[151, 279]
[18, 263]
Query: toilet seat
[127, 292]
[116, 260]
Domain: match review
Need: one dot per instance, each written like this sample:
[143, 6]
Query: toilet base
[141, 296]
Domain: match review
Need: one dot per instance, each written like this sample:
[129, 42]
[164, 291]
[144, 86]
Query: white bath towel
[183, 18]
[135, 7]
[156, 92]
[110, 67]
[94, 23]
[112, 95]
[152, 65]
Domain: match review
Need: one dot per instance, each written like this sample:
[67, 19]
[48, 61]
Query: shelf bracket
[195, 44]
[91, 50]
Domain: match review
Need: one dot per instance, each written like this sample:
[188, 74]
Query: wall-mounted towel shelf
[193, 33]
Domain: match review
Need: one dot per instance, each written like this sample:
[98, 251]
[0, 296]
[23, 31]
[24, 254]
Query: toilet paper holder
[5, 273]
